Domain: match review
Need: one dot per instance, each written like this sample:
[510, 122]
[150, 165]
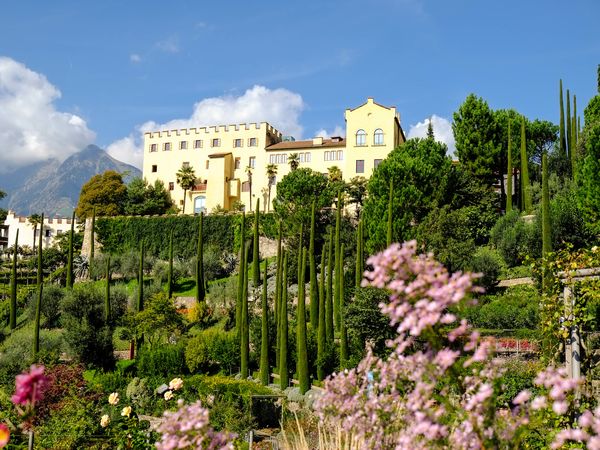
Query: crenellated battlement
[198, 131]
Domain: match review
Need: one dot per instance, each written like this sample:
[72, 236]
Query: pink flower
[30, 386]
[560, 407]
[4, 435]
[522, 397]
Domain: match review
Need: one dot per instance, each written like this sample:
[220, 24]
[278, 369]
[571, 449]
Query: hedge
[123, 233]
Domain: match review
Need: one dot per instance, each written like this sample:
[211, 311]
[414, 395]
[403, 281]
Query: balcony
[199, 187]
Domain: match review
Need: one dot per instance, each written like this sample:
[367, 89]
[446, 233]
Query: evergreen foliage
[343, 330]
[314, 289]
[329, 326]
[106, 192]
[390, 215]
[185, 177]
[283, 330]
[140, 290]
[14, 285]
[264, 336]
[338, 256]
[245, 325]
[563, 138]
[509, 172]
[200, 287]
[546, 230]
[525, 185]
[70, 278]
[321, 333]
[40, 287]
[107, 316]
[241, 275]
[170, 273]
[255, 248]
[93, 237]
[301, 343]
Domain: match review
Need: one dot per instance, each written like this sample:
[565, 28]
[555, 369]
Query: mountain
[53, 187]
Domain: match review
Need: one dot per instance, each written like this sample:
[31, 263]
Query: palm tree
[271, 174]
[249, 173]
[335, 174]
[34, 220]
[186, 179]
[294, 161]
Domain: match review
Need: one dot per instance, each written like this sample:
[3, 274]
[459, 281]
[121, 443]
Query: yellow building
[223, 156]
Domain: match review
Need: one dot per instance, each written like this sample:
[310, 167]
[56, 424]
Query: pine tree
[430, 134]
[321, 335]
[525, 186]
[245, 339]
[170, 274]
[283, 332]
[314, 289]
[200, 290]
[563, 141]
[264, 337]
[546, 230]
[13, 286]
[242, 269]
[390, 215]
[40, 288]
[70, 278]
[329, 327]
[140, 298]
[255, 249]
[302, 351]
[336, 286]
[343, 331]
[509, 173]
[107, 293]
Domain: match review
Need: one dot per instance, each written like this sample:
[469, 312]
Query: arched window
[361, 137]
[199, 204]
[378, 137]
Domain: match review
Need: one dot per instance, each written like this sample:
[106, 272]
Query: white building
[53, 227]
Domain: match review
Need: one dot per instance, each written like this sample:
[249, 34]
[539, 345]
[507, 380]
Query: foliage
[589, 178]
[489, 263]
[514, 238]
[163, 360]
[417, 169]
[146, 199]
[106, 192]
[52, 296]
[158, 320]
[212, 350]
[88, 335]
[121, 234]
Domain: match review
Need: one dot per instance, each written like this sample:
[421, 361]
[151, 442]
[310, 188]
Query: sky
[75, 73]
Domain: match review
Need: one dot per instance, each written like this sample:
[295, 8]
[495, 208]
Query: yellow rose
[175, 384]
[126, 411]
[168, 395]
[104, 421]
[113, 398]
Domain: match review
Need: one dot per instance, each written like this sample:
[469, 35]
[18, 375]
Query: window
[252, 142]
[246, 186]
[361, 138]
[340, 155]
[216, 142]
[207, 163]
[377, 162]
[252, 162]
[153, 147]
[237, 163]
[304, 157]
[171, 186]
[183, 145]
[154, 168]
[200, 204]
[278, 158]
[237, 142]
[185, 164]
[48, 232]
[378, 137]
[167, 147]
[360, 166]
[198, 143]
[334, 155]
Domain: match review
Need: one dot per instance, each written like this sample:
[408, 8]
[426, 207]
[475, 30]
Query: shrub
[518, 376]
[514, 238]
[489, 263]
[212, 350]
[52, 296]
[164, 360]
[139, 392]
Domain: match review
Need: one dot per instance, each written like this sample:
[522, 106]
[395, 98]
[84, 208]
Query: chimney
[317, 141]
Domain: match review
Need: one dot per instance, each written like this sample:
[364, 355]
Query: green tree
[294, 161]
[338, 257]
[301, 342]
[321, 333]
[418, 169]
[105, 192]
[475, 133]
[147, 199]
[107, 317]
[357, 193]
[40, 287]
[158, 320]
[343, 330]
[13, 285]
[186, 178]
[525, 185]
[271, 176]
[170, 274]
[314, 294]
[329, 325]
[255, 248]
[283, 332]
[295, 195]
[70, 277]
[241, 275]
[35, 220]
[563, 138]
[200, 289]
[245, 336]
[264, 333]
[509, 172]
[546, 230]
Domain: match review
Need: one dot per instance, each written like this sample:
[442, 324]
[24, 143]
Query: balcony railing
[199, 187]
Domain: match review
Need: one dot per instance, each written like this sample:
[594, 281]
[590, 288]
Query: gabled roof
[308, 144]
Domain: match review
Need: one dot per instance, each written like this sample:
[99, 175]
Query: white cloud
[442, 130]
[31, 128]
[135, 58]
[337, 131]
[280, 107]
[169, 45]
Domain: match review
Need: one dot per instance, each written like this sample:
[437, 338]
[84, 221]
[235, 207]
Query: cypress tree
[509, 173]
[314, 289]
[568, 127]
[336, 286]
[70, 277]
[329, 328]
[343, 332]
[13, 286]
[546, 230]
[93, 232]
[255, 249]
[170, 274]
[200, 290]
[302, 351]
[264, 337]
[245, 339]
[107, 296]
[140, 299]
[321, 335]
[238, 305]
[563, 141]
[278, 289]
[390, 214]
[574, 139]
[40, 288]
[283, 332]
[359, 255]
[525, 187]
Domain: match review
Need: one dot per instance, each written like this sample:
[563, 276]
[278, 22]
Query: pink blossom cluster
[189, 428]
[438, 387]
[30, 386]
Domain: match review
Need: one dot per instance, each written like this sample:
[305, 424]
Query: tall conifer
[301, 344]
[255, 249]
[140, 299]
[314, 289]
[321, 334]
[509, 172]
[329, 326]
[525, 186]
[283, 333]
[107, 292]
[563, 140]
[242, 269]
[170, 273]
[40, 288]
[343, 331]
[336, 287]
[245, 338]
[278, 289]
[390, 218]
[70, 277]
[13, 286]
[568, 127]
[264, 335]
[200, 288]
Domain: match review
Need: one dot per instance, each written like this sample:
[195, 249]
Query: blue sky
[122, 66]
